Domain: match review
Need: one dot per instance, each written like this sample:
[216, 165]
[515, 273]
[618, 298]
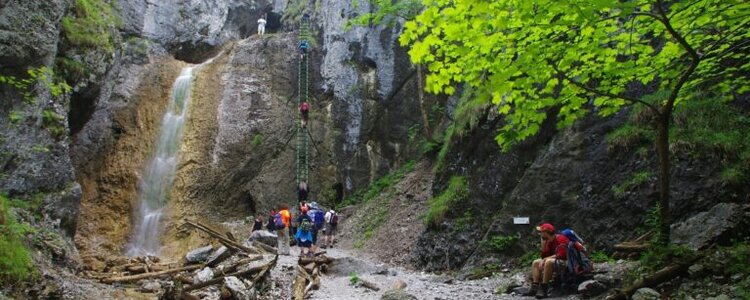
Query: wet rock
[720, 297]
[203, 275]
[237, 288]
[605, 279]
[264, 236]
[646, 294]
[150, 287]
[696, 270]
[199, 255]
[397, 295]
[719, 224]
[29, 31]
[218, 256]
[591, 288]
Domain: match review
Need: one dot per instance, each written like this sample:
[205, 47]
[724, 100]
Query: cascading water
[159, 174]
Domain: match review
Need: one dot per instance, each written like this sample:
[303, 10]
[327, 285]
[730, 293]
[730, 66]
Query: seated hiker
[271, 226]
[304, 235]
[304, 111]
[258, 225]
[553, 252]
[302, 193]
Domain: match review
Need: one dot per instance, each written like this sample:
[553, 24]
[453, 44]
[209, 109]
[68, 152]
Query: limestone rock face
[29, 31]
[719, 224]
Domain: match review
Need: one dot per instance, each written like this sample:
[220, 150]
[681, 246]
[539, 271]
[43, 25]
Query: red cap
[546, 227]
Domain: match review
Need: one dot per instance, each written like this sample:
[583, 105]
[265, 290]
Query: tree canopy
[529, 56]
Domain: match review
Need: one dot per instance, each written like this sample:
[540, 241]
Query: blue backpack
[318, 218]
[278, 222]
[578, 267]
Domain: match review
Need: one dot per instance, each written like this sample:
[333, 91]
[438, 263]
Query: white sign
[521, 220]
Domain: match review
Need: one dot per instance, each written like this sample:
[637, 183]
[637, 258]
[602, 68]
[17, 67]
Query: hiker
[271, 226]
[302, 193]
[281, 221]
[305, 17]
[331, 224]
[258, 225]
[304, 111]
[261, 26]
[578, 267]
[304, 236]
[318, 218]
[553, 252]
[303, 48]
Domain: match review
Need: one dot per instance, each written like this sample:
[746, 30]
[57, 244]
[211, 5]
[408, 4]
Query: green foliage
[738, 257]
[92, 24]
[35, 78]
[15, 116]
[15, 258]
[464, 221]
[257, 140]
[469, 112]
[658, 257]
[72, 70]
[385, 12]
[353, 278]
[499, 243]
[600, 257]
[53, 122]
[364, 196]
[527, 258]
[456, 191]
[637, 180]
[527, 57]
[629, 136]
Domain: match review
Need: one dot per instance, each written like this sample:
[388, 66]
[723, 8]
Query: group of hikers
[306, 227]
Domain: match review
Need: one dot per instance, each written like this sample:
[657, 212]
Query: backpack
[319, 218]
[306, 225]
[278, 221]
[334, 219]
[578, 268]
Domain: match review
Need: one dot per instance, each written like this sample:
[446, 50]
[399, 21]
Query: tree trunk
[425, 118]
[662, 149]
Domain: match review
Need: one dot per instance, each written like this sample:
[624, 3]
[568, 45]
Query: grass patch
[91, 25]
[499, 243]
[629, 136]
[637, 180]
[377, 187]
[600, 257]
[438, 206]
[257, 140]
[528, 258]
[15, 258]
[353, 278]
[658, 257]
[72, 70]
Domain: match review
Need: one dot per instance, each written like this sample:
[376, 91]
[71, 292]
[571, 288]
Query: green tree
[568, 57]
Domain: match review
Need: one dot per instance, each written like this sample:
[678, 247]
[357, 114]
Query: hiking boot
[532, 290]
[542, 293]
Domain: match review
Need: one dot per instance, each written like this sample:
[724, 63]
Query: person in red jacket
[304, 110]
[554, 249]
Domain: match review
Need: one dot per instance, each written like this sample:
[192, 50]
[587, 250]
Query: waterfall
[159, 173]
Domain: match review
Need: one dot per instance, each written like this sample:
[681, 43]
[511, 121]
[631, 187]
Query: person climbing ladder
[304, 111]
[261, 26]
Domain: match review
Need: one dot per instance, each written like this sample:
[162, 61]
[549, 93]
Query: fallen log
[149, 275]
[666, 274]
[143, 269]
[241, 262]
[317, 260]
[298, 287]
[628, 247]
[268, 248]
[235, 274]
[223, 239]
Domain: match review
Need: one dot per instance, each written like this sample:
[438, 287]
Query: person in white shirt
[331, 224]
[261, 26]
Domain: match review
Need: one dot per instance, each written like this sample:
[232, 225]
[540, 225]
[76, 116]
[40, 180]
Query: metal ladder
[303, 137]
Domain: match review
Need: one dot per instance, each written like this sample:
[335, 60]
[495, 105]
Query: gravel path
[336, 284]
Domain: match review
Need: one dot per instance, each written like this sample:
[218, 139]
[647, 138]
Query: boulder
[719, 224]
[199, 255]
[397, 295]
[203, 275]
[217, 257]
[646, 294]
[264, 236]
[238, 289]
[591, 288]
[150, 287]
[720, 297]
[399, 285]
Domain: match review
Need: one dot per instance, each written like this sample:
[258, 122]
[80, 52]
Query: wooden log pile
[238, 260]
[632, 249]
[308, 274]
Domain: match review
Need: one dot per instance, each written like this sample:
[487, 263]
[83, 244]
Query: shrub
[600, 256]
[257, 140]
[635, 181]
[439, 206]
[364, 196]
[15, 258]
[499, 243]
